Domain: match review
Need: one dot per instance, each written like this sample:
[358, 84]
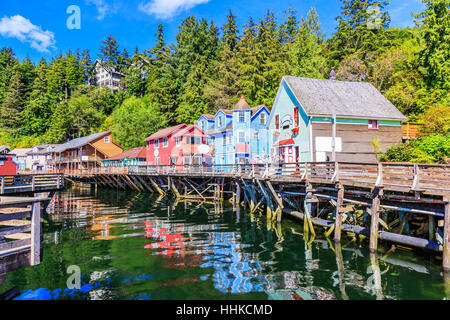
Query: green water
[139, 246]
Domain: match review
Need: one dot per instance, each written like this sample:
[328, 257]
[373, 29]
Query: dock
[402, 203]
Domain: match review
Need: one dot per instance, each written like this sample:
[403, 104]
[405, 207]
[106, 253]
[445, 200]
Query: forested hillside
[210, 66]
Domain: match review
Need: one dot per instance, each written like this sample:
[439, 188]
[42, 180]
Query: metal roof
[79, 142]
[347, 99]
[138, 152]
[166, 132]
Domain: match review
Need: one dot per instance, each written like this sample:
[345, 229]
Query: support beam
[338, 220]
[446, 240]
[155, 185]
[374, 221]
[35, 257]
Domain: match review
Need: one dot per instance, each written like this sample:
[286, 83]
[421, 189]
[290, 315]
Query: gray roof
[79, 142]
[20, 152]
[5, 149]
[353, 99]
[43, 148]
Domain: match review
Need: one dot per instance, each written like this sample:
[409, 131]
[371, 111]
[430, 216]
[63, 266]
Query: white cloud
[166, 9]
[21, 28]
[103, 8]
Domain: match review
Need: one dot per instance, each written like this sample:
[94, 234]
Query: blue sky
[39, 28]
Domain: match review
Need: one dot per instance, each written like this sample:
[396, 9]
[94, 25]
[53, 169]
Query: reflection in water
[137, 246]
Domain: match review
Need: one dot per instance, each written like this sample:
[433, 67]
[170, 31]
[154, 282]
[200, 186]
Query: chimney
[332, 74]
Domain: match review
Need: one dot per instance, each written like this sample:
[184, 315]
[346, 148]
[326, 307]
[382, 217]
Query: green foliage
[434, 148]
[134, 120]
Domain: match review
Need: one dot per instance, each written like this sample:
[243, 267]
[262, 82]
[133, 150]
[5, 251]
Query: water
[139, 246]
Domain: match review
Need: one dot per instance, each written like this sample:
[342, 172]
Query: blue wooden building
[240, 135]
[329, 120]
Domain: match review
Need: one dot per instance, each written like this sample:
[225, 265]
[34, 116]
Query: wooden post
[333, 139]
[338, 220]
[33, 182]
[446, 240]
[374, 221]
[2, 185]
[35, 257]
[238, 195]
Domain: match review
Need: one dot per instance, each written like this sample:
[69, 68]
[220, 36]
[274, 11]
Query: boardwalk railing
[392, 176]
[16, 234]
[30, 183]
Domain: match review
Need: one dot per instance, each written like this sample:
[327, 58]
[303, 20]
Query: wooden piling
[446, 239]
[338, 220]
[374, 221]
[35, 257]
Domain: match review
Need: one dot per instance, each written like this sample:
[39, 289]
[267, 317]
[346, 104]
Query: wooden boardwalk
[30, 183]
[402, 203]
[20, 233]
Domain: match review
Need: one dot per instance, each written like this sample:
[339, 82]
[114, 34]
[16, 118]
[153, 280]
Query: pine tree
[110, 56]
[222, 88]
[306, 54]
[13, 103]
[86, 65]
[361, 28]
[38, 109]
[435, 31]
[7, 61]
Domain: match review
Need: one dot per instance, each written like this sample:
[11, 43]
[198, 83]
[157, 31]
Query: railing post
[35, 258]
[446, 239]
[2, 187]
[379, 182]
[335, 177]
[416, 177]
[33, 181]
[374, 221]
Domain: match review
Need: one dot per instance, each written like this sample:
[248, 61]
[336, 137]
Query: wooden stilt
[35, 257]
[155, 185]
[446, 239]
[374, 221]
[340, 269]
[338, 219]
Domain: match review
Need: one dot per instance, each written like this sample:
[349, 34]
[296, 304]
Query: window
[156, 143]
[165, 142]
[219, 122]
[178, 140]
[277, 121]
[296, 117]
[197, 140]
[373, 124]
[255, 136]
[241, 137]
[262, 118]
[106, 139]
[213, 140]
[224, 140]
[148, 146]
[230, 138]
[241, 116]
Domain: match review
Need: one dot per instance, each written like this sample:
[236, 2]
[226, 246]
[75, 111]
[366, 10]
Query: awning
[285, 142]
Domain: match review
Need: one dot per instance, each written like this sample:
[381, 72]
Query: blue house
[328, 120]
[240, 135]
[206, 122]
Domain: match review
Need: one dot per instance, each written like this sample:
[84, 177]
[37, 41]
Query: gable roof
[241, 104]
[321, 97]
[208, 116]
[5, 149]
[20, 152]
[165, 132]
[216, 131]
[43, 149]
[185, 131]
[79, 142]
[132, 153]
[226, 111]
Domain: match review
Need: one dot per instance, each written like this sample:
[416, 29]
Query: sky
[41, 28]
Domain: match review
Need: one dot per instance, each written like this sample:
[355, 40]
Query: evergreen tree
[86, 65]
[7, 61]
[13, 103]
[361, 28]
[435, 32]
[110, 56]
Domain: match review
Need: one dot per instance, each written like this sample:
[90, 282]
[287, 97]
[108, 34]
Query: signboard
[156, 153]
[323, 144]
[84, 158]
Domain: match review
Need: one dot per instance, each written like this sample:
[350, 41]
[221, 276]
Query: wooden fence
[30, 183]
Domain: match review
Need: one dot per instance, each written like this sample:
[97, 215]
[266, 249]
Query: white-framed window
[241, 116]
[230, 137]
[241, 137]
[202, 125]
[262, 118]
[224, 139]
[107, 139]
[255, 135]
[165, 142]
[219, 121]
[178, 141]
[156, 143]
[148, 146]
[373, 124]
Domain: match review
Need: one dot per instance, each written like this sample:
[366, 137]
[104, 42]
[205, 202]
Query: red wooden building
[7, 166]
[177, 145]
